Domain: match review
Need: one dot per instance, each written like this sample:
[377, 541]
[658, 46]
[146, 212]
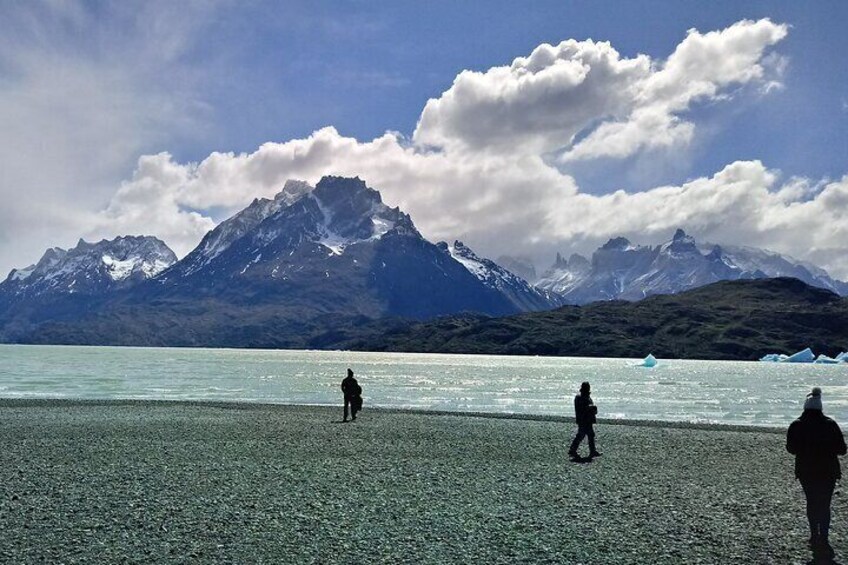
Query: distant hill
[741, 319]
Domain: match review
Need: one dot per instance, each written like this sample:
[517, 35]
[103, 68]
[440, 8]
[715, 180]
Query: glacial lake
[746, 393]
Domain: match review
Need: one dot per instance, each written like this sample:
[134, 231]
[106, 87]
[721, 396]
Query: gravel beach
[142, 482]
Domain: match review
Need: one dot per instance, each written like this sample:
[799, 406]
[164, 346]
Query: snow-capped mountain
[91, 268]
[621, 270]
[564, 275]
[519, 291]
[339, 248]
[297, 270]
[230, 230]
[771, 264]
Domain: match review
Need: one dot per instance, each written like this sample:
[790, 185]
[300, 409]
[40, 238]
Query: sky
[521, 131]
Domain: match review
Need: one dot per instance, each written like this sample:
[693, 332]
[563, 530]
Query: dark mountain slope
[725, 320]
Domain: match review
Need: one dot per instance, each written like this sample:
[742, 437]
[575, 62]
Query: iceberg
[842, 357]
[825, 360]
[803, 356]
[649, 361]
[773, 358]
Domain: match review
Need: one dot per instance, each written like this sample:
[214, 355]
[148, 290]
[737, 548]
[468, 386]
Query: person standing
[816, 442]
[585, 413]
[350, 389]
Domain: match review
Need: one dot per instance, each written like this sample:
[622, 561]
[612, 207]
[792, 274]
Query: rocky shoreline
[141, 481]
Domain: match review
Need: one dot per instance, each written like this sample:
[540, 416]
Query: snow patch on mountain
[496, 277]
[21, 274]
[473, 263]
[232, 229]
[92, 267]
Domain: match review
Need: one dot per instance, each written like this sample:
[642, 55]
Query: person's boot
[572, 451]
[592, 451]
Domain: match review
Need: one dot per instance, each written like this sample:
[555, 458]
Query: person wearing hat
[585, 413]
[816, 442]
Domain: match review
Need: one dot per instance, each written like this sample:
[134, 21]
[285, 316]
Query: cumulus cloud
[584, 98]
[515, 205]
[478, 166]
[447, 197]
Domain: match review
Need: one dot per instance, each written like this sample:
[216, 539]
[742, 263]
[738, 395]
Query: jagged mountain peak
[620, 270]
[496, 277]
[352, 211]
[681, 243]
[716, 253]
[560, 262]
[336, 213]
[93, 267]
[679, 234]
[617, 244]
[236, 226]
[293, 190]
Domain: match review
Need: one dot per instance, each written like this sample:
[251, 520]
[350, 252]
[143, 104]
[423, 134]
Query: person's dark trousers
[584, 430]
[819, 494]
[349, 402]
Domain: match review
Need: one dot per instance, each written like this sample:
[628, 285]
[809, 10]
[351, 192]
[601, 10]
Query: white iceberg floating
[773, 358]
[842, 357]
[803, 356]
[825, 360]
[649, 361]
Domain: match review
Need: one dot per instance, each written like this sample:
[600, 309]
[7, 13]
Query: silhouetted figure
[585, 413]
[352, 395]
[816, 441]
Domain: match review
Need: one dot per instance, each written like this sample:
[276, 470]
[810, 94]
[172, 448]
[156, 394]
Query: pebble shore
[167, 482]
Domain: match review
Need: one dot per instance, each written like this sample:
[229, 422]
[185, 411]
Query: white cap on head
[814, 401]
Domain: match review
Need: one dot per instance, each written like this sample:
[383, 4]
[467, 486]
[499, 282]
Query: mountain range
[322, 266]
[620, 270]
[280, 273]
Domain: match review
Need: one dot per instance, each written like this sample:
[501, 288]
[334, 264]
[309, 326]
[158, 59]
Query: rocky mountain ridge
[282, 270]
[91, 268]
[621, 270]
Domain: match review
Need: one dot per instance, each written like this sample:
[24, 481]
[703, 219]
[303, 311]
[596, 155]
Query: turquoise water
[748, 393]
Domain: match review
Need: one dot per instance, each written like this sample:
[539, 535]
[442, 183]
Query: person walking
[585, 413]
[816, 442]
[351, 391]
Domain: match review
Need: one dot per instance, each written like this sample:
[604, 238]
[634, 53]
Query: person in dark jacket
[816, 442]
[351, 390]
[585, 413]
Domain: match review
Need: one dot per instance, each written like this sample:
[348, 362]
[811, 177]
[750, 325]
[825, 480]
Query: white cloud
[83, 91]
[537, 104]
[477, 167]
[503, 204]
[547, 101]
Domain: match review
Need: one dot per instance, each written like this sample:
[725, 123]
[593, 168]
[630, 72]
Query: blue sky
[113, 112]
[368, 67]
